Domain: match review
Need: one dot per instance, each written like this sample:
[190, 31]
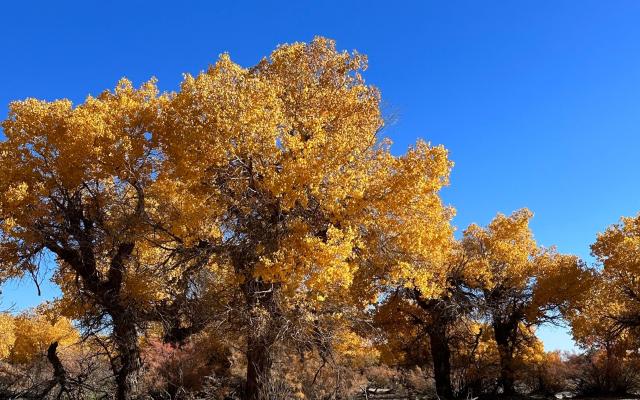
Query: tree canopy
[256, 223]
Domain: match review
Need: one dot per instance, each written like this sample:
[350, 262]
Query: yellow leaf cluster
[502, 253]
[284, 161]
[612, 293]
[7, 335]
[28, 335]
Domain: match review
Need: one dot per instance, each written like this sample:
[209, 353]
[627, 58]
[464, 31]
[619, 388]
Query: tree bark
[441, 355]
[504, 335]
[128, 366]
[258, 367]
[439, 321]
[263, 310]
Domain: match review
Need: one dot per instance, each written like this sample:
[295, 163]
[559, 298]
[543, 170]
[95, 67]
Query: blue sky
[537, 101]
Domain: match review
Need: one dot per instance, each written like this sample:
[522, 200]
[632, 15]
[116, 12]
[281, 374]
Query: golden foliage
[283, 160]
[273, 184]
[7, 334]
[27, 336]
[607, 316]
[506, 263]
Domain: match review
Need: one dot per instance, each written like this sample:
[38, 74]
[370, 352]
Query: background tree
[609, 350]
[520, 285]
[618, 251]
[36, 331]
[606, 322]
[7, 334]
[413, 319]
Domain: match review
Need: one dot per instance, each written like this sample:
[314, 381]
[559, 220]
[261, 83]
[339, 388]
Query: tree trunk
[441, 355]
[263, 310]
[611, 371]
[503, 334]
[128, 366]
[258, 367]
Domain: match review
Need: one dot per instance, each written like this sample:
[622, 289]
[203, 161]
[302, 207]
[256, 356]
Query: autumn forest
[253, 236]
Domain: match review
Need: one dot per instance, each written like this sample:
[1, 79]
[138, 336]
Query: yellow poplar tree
[520, 284]
[78, 183]
[606, 322]
[431, 316]
[618, 251]
[287, 179]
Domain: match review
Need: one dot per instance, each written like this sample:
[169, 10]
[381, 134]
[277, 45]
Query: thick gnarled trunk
[261, 337]
[258, 368]
[128, 363]
[441, 355]
[504, 334]
[438, 323]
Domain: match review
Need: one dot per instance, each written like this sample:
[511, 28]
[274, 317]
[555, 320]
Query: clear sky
[537, 101]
